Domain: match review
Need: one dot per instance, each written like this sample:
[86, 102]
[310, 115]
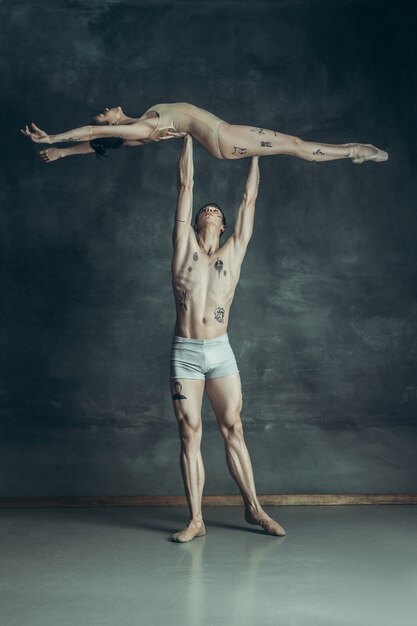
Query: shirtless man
[204, 278]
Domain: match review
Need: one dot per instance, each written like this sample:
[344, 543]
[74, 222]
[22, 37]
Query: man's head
[210, 213]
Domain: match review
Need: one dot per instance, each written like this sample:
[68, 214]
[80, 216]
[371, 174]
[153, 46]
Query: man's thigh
[187, 397]
[225, 395]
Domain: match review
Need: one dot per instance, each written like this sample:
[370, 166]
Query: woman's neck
[125, 119]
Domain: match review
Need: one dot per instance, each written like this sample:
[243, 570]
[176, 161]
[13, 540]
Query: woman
[220, 139]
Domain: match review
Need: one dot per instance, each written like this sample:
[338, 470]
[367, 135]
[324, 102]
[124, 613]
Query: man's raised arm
[184, 208]
[246, 212]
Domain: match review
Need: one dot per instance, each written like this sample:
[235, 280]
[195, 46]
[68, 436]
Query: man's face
[210, 215]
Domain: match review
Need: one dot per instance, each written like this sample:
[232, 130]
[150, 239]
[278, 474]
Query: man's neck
[208, 240]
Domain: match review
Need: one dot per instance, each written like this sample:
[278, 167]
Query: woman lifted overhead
[220, 139]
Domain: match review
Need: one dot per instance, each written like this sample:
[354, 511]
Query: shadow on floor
[153, 519]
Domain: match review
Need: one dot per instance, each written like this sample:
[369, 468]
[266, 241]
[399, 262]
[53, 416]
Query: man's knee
[190, 431]
[232, 429]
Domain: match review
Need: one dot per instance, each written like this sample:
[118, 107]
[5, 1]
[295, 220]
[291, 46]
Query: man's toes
[189, 533]
[273, 528]
[269, 525]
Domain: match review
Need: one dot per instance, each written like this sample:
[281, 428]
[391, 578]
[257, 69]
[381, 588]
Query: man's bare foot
[270, 526]
[361, 152]
[194, 529]
[50, 154]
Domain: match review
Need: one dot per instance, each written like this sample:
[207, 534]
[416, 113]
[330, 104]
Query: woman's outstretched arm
[138, 131]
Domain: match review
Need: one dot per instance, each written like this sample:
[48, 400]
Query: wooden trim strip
[266, 500]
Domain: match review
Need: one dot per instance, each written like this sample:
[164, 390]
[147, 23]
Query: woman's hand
[37, 135]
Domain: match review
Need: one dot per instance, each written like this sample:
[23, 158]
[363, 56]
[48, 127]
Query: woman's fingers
[36, 134]
[26, 132]
[38, 131]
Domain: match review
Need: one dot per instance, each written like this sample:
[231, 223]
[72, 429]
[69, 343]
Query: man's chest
[204, 274]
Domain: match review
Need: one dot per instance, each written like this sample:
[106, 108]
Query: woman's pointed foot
[361, 152]
[194, 529]
[270, 526]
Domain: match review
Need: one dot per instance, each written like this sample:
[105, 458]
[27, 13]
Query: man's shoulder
[236, 249]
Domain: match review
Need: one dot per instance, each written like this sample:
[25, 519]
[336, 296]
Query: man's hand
[172, 134]
[37, 135]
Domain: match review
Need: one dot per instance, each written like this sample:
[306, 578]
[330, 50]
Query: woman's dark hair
[216, 206]
[104, 143]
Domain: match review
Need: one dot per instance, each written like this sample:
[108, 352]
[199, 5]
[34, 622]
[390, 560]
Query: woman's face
[109, 116]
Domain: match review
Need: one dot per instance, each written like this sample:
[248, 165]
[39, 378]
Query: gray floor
[337, 566]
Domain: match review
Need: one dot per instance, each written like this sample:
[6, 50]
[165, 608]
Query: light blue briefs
[202, 358]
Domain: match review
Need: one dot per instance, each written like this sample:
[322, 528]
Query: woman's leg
[52, 154]
[237, 142]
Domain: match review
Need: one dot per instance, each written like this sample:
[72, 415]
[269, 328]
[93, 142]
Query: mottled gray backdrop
[324, 320]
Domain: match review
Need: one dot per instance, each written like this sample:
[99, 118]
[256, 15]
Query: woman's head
[109, 116]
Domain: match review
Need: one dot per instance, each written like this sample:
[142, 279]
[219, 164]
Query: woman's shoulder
[168, 105]
[166, 108]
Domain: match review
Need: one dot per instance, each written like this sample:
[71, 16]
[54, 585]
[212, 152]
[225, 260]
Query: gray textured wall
[324, 320]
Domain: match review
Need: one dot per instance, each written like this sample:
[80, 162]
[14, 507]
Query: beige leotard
[182, 117]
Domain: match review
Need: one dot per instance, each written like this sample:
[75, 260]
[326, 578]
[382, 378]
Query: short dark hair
[216, 206]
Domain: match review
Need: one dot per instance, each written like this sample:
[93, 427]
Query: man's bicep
[236, 253]
[181, 236]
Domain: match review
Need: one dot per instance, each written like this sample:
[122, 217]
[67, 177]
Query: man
[204, 277]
